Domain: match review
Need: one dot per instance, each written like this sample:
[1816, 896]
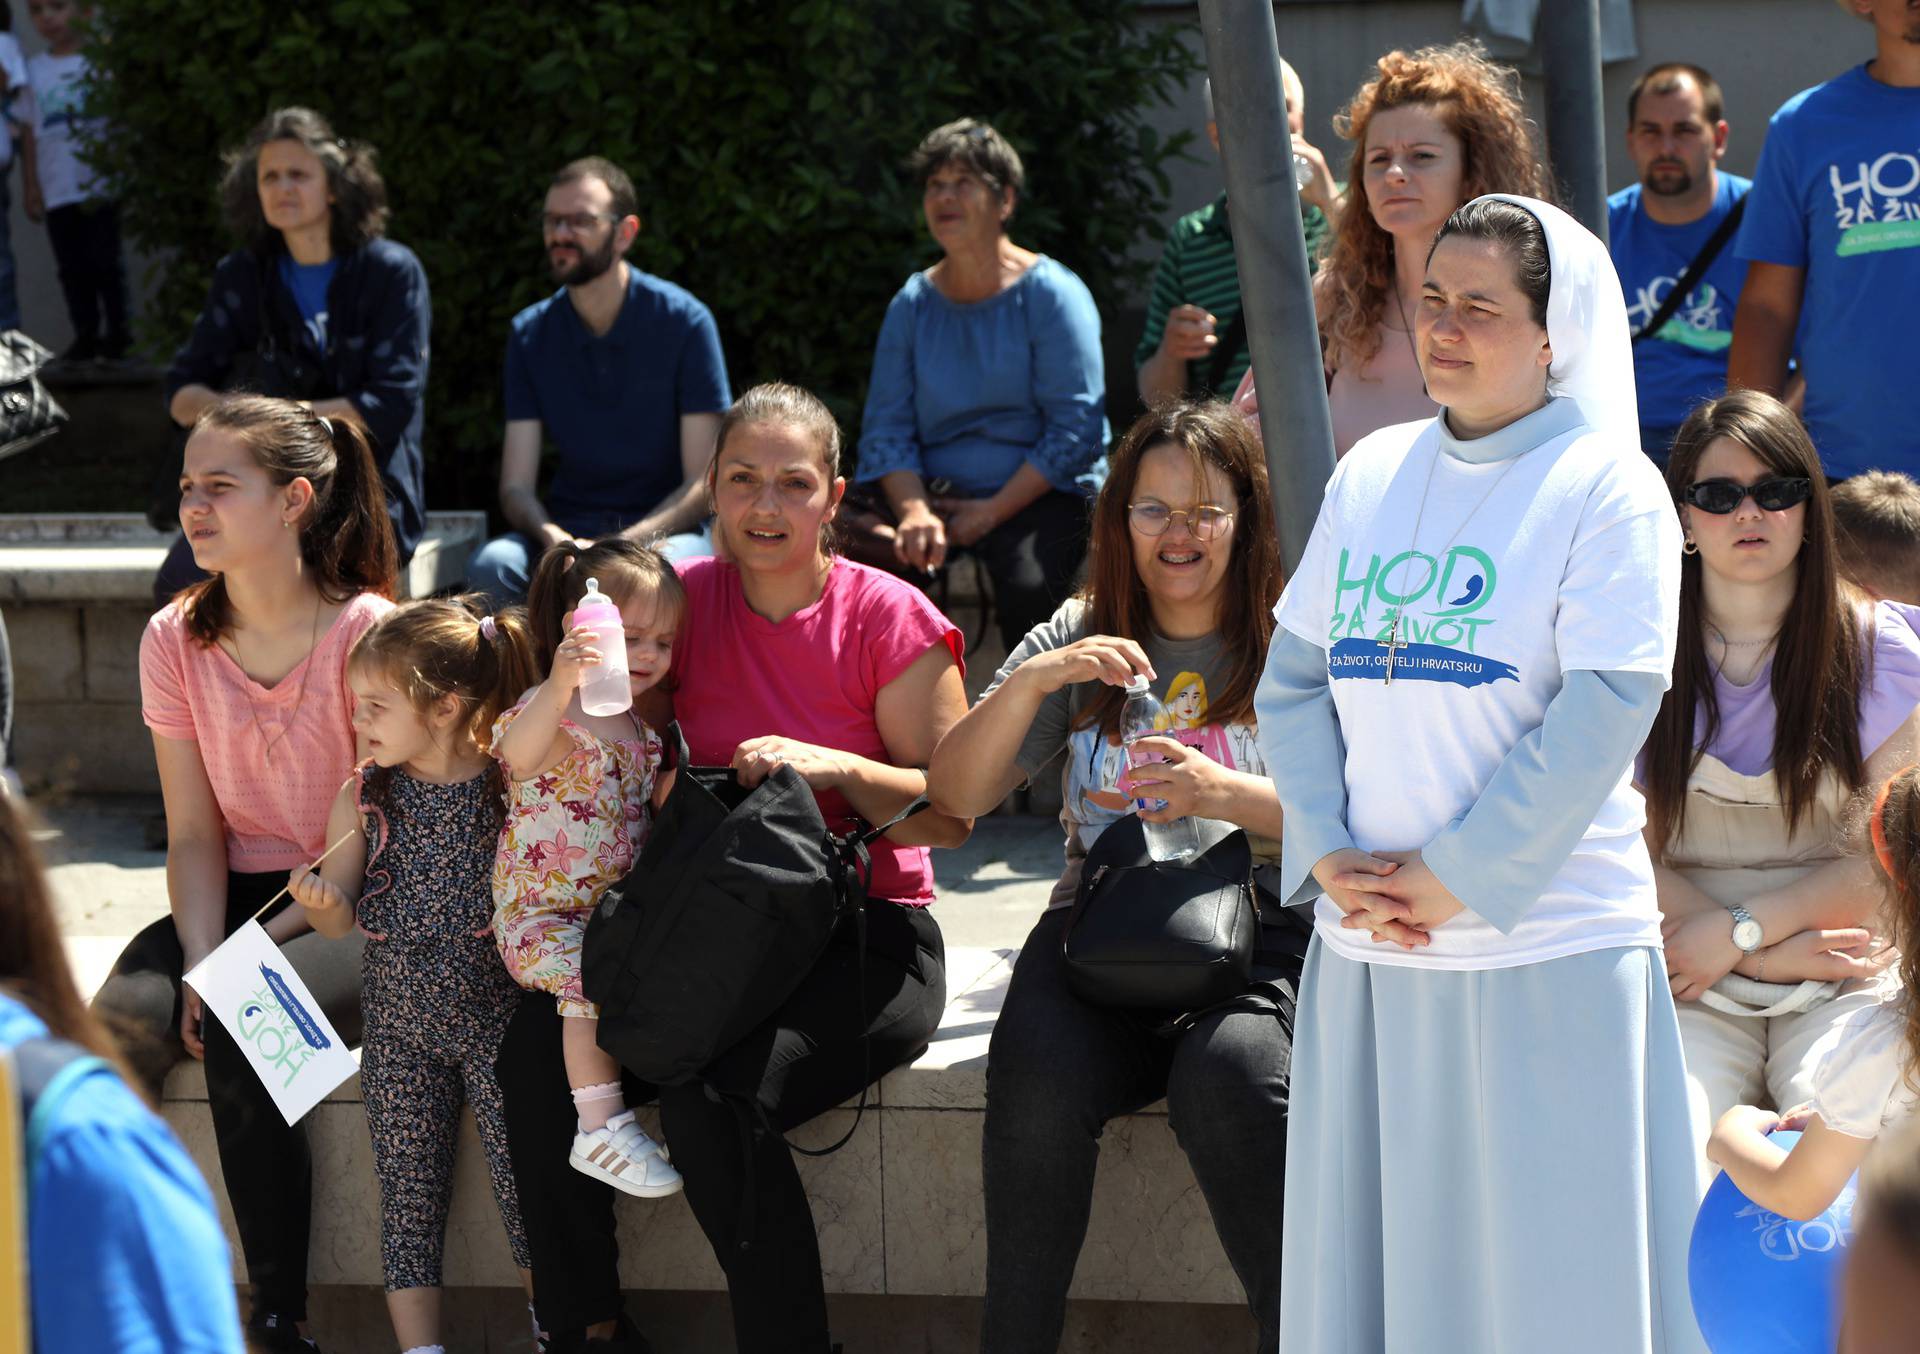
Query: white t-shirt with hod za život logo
[1563, 555]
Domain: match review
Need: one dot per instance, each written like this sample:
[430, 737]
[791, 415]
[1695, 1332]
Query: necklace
[1396, 640]
[253, 708]
[1400, 304]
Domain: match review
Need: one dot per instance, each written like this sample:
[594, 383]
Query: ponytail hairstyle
[346, 537]
[625, 569]
[430, 649]
[1895, 832]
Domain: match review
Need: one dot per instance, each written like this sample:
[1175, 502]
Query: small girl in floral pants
[581, 790]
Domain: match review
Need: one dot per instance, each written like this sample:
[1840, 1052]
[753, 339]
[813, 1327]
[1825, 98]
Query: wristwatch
[1746, 931]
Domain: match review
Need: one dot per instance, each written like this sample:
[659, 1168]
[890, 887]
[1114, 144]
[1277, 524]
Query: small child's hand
[578, 652]
[312, 892]
[1742, 1122]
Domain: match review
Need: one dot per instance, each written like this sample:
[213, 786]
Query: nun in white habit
[1489, 1150]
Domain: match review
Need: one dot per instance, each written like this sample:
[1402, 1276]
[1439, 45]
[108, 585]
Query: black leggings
[265, 1162]
[803, 1060]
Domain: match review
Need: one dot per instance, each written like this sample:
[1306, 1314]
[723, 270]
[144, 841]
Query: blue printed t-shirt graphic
[1419, 615]
[1837, 193]
[1686, 362]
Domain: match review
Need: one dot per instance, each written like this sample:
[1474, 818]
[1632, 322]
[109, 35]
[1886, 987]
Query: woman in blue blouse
[985, 424]
[315, 305]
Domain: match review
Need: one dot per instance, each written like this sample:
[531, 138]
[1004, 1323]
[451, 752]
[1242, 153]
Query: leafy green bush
[765, 141]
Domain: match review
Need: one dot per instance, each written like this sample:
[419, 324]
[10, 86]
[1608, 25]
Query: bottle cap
[1137, 685]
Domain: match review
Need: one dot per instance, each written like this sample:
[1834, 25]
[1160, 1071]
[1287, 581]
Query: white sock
[426, 1349]
[596, 1104]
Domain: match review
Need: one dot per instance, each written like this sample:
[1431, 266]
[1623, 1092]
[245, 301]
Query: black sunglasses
[1721, 497]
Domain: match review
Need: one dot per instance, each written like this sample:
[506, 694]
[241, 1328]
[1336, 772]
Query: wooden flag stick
[316, 865]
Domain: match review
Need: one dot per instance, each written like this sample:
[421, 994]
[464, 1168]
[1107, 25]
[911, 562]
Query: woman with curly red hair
[1431, 130]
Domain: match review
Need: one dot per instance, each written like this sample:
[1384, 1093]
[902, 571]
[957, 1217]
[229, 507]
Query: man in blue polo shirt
[1676, 133]
[1832, 238]
[621, 372]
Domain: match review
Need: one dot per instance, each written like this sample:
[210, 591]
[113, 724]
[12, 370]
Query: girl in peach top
[243, 682]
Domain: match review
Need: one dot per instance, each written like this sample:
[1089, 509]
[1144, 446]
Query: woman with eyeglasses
[316, 305]
[985, 419]
[1791, 691]
[1183, 574]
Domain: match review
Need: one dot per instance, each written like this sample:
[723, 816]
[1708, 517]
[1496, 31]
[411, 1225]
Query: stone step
[899, 1208]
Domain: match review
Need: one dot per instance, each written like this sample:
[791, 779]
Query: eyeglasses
[1205, 522]
[1775, 494]
[576, 223]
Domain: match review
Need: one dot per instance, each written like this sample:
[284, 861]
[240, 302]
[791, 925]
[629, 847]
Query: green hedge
[765, 141]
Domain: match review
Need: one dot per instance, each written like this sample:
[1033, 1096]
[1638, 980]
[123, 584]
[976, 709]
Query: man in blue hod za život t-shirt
[1832, 233]
[1675, 222]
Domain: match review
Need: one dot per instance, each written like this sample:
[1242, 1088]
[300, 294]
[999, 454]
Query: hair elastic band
[1877, 825]
[487, 628]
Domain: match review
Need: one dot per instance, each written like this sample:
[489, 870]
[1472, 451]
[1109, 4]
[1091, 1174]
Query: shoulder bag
[1164, 936]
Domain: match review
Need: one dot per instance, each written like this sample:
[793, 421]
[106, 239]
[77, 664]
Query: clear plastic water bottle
[606, 690]
[1144, 717]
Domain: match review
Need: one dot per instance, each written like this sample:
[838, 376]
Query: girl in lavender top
[1791, 691]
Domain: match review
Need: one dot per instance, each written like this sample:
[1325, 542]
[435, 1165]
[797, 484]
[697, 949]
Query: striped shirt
[1197, 268]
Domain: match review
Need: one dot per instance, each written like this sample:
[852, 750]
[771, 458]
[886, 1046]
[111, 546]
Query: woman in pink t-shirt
[243, 683]
[791, 656]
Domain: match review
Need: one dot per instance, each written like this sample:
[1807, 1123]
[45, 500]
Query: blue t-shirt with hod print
[1837, 193]
[1686, 362]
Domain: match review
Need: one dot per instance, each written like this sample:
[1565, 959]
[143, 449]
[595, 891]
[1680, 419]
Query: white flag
[249, 985]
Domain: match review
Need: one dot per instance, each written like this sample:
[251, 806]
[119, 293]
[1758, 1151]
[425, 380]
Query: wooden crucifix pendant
[1394, 644]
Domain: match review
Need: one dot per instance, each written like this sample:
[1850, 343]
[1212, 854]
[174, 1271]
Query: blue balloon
[1761, 1282]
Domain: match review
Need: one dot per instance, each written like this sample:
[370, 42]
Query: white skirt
[1488, 1162]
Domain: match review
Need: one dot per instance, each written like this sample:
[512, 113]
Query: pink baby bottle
[606, 690]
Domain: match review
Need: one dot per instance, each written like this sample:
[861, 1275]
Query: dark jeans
[1057, 1070]
[93, 276]
[741, 1180]
[1033, 559]
[264, 1160]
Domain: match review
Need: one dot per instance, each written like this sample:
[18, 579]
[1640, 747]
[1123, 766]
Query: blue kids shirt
[1686, 362]
[1837, 193]
[968, 393]
[124, 1247]
[611, 403]
[308, 283]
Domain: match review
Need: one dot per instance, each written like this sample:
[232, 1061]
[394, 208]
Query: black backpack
[729, 905]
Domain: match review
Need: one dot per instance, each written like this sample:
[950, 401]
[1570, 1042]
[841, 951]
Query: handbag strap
[874, 834]
[1698, 265]
[1269, 996]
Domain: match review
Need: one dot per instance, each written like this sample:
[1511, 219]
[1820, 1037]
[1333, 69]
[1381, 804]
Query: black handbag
[28, 414]
[727, 908]
[1163, 936]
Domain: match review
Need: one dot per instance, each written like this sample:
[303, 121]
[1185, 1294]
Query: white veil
[1586, 324]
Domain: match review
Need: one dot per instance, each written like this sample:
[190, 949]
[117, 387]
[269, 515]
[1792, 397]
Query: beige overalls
[1734, 844]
